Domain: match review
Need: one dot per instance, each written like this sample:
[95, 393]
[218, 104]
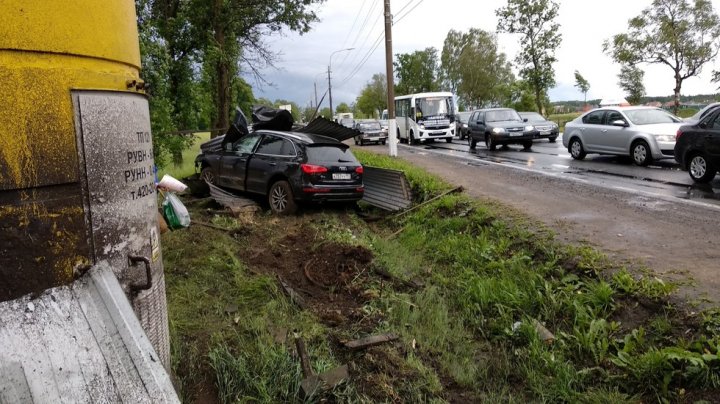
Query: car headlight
[422, 126]
[529, 128]
[464, 125]
[498, 130]
[664, 138]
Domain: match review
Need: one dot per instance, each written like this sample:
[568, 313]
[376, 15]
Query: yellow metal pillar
[51, 54]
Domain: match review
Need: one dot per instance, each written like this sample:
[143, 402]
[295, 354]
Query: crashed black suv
[286, 167]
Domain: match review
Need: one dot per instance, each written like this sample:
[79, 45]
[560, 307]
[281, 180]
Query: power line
[360, 31]
[404, 7]
[366, 37]
[408, 12]
[354, 22]
[378, 42]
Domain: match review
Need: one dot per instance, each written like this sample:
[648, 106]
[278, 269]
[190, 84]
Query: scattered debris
[413, 284]
[292, 294]
[367, 342]
[237, 204]
[545, 335]
[452, 191]
[313, 383]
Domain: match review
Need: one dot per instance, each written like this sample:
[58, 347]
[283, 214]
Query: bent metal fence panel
[386, 189]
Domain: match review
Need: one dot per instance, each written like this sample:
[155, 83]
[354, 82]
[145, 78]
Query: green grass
[187, 166]
[483, 281]
[562, 119]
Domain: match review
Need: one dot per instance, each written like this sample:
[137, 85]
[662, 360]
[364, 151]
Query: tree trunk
[676, 92]
[538, 101]
[222, 79]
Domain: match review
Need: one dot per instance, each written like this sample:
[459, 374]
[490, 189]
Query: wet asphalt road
[662, 178]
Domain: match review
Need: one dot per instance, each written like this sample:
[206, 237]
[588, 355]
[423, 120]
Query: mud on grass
[461, 286]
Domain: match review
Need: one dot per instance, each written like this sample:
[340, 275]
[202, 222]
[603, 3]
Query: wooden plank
[370, 341]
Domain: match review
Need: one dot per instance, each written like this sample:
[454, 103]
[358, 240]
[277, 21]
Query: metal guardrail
[387, 189]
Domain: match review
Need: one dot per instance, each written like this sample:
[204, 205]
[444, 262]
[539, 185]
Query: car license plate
[438, 133]
[544, 132]
[517, 134]
[341, 176]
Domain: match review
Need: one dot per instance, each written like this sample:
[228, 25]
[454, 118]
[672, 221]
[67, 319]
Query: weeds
[472, 284]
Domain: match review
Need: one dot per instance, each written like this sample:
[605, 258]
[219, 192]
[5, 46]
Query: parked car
[285, 167]
[546, 129]
[499, 126]
[347, 122]
[702, 113]
[371, 131]
[461, 124]
[643, 133]
[697, 147]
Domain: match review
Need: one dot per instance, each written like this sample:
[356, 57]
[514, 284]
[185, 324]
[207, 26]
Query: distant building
[614, 102]
[656, 104]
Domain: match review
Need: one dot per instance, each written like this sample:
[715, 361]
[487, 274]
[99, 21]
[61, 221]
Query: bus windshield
[433, 107]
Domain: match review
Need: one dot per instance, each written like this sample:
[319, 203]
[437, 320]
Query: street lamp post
[332, 112]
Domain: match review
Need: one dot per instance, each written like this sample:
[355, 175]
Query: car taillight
[678, 134]
[313, 169]
[359, 170]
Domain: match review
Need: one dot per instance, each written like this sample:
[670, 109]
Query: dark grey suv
[285, 167]
[499, 126]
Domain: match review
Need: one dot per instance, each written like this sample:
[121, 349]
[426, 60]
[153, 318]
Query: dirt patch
[332, 279]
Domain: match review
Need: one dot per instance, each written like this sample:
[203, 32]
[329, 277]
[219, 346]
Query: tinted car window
[276, 146]
[320, 154]
[613, 116]
[463, 116]
[247, 143]
[502, 115]
[594, 118]
[714, 121]
[650, 116]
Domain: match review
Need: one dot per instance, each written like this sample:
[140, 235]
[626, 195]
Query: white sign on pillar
[392, 137]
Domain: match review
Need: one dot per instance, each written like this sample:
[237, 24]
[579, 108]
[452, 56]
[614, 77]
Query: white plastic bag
[175, 213]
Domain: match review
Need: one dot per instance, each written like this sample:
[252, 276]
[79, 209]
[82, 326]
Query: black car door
[273, 155]
[233, 163]
[478, 125]
[711, 137]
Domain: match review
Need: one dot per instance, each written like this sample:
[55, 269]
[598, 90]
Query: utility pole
[315, 85]
[392, 124]
[332, 114]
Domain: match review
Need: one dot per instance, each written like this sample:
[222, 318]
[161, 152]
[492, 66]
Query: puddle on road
[700, 191]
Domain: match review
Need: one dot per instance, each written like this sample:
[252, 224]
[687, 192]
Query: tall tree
[373, 98]
[449, 69]
[416, 72]
[482, 74]
[540, 36]
[680, 34]
[234, 35]
[631, 80]
[342, 107]
[582, 84]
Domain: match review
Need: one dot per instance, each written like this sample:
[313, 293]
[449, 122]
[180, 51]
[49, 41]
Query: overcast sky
[419, 24]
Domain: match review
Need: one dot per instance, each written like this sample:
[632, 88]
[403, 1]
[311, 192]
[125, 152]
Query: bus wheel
[412, 140]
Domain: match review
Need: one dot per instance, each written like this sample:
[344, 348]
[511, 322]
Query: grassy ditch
[487, 307]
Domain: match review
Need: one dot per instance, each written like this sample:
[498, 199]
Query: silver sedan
[643, 133]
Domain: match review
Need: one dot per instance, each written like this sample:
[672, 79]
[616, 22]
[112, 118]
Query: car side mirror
[620, 123]
[702, 125]
[525, 119]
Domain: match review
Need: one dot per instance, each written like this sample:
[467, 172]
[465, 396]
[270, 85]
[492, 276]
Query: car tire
[383, 142]
[280, 198]
[640, 153]
[552, 139]
[362, 142]
[449, 140]
[412, 139]
[207, 175]
[700, 169]
[472, 142]
[576, 149]
[527, 146]
[490, 143]
[356, 142]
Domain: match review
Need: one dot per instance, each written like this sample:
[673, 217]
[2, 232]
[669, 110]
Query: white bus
[425, 116]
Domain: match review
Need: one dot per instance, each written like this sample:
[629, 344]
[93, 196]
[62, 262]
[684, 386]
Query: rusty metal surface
[386, 189]
[80, 344]
[324, 127]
